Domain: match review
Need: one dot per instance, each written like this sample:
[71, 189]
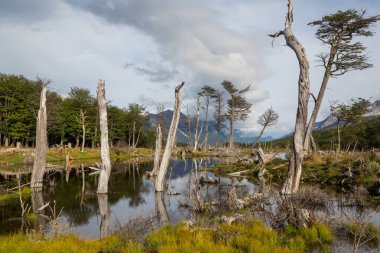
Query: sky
[144, 48]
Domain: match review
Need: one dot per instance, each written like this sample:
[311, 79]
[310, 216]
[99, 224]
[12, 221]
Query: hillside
[366, 134]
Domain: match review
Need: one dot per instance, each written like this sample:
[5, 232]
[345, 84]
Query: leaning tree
[340, 32]
[267, 119]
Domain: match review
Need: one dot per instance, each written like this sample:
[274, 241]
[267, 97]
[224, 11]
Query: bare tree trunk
[232, 119]
[206, 136]
[189, 127]
[258, 138]
[83, 124]
[104, 210]
[41, 144]
[104, 147]
[170, 140]
[196, 135]
[157, 153]
[133, 135]
[291, 184]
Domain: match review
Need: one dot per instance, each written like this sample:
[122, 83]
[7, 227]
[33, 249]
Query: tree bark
[292, 181]
[170, 140]
[157, 153]
[104, 146]
[41, 144]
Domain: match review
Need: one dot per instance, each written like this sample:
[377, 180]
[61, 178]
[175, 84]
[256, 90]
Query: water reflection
[38, 207]
[104, 210]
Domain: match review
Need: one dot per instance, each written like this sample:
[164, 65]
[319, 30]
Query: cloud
[156, 71]
[192, 43]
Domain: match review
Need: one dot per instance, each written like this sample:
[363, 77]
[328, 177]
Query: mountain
[330, 121]
[166, 117]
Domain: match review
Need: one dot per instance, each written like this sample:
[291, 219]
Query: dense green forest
[19, 103]
[365, 135]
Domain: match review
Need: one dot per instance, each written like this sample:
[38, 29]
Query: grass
[250, 236]
[15, 160]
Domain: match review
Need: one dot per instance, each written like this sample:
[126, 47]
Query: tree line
[72, 119]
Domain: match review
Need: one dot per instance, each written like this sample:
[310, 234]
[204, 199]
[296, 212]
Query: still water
[73, 194]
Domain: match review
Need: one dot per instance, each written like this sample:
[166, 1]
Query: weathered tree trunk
[170, 140]
[104, 210]
[196, 134]
[104, 147]
[206, 135]
[232, 121]
[41, 144]
[292, 181]
[157, 152]
[318, 101]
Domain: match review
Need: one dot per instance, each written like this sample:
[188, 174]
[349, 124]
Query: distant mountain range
[330, 121]
[166, 117]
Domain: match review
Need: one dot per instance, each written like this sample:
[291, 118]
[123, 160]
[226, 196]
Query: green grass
[250, 236]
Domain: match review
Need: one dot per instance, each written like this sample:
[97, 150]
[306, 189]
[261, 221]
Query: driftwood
[104, 147]
[41, 143]
[170, 140]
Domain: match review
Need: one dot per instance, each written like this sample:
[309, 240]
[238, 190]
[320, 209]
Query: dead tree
[196, 133]
[82, 122]
[291, 184]
[41, 143]
[170, 140]
[157, 152]
[104, 146]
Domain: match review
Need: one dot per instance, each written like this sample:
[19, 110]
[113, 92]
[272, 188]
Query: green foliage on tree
[238, 106]
[19, 103]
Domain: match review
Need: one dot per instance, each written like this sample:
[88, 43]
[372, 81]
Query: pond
[72, 195]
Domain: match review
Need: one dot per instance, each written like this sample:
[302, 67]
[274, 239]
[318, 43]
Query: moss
[12, 196]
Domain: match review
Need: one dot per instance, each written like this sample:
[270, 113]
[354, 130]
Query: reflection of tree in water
[79, 206]
[68, 196]
[128, 182]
